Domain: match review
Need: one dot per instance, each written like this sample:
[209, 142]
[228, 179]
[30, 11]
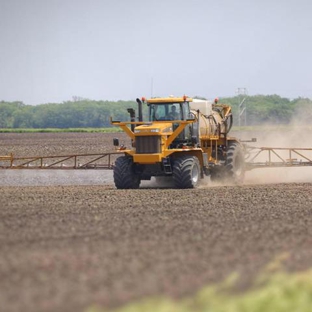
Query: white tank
[205, 107]
[209, 119]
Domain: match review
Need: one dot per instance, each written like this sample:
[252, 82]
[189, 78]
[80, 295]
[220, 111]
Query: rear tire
[235, 165]
[186, 172]
[124, 176]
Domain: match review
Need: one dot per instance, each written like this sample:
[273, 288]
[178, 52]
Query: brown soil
[65, 246]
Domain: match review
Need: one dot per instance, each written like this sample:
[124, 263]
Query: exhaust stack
[140, 109]
[131, 111]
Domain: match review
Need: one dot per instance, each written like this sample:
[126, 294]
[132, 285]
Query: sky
[54, 50]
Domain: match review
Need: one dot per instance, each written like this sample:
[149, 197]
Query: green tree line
[270, 109]
[71, 114]
[83, 113]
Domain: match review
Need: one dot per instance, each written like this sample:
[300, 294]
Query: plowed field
[70, 240]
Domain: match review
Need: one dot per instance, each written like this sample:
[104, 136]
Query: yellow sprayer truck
[184, 139]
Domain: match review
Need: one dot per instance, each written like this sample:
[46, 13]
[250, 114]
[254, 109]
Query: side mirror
[116, 142]
[191, 117]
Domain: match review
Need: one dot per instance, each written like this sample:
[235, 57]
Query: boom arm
[272, 157]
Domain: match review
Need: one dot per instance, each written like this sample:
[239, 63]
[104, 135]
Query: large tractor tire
[186, 172]
[124, 176]
[235, 163]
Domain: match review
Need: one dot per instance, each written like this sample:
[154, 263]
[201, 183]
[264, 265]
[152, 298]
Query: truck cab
[173, 110]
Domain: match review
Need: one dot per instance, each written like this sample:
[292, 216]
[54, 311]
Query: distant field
[117, 129]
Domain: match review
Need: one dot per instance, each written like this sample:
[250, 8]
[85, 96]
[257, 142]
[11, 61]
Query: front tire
[186, 172]
[124, 176]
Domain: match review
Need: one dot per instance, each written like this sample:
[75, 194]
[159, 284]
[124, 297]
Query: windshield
[166, 111]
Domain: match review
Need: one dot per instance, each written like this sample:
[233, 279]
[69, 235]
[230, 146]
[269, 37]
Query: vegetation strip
[280, 292]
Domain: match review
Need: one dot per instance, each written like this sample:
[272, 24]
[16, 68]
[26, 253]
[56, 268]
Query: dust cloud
[292, 136]
[55, 177]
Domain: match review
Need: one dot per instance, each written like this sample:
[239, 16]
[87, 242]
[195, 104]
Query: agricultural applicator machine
[183, 140]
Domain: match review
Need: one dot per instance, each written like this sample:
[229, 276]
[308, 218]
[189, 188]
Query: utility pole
[242, 114]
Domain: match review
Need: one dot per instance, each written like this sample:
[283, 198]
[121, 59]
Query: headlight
[169, 129]
[154, 130]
